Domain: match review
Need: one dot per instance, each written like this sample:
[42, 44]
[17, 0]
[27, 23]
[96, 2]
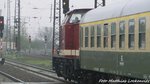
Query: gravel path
[23, 75]
[4, 79]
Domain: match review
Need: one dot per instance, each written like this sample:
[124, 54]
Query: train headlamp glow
[64, 3]
[1, 22]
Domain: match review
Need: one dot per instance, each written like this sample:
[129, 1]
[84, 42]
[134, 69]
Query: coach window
[122, 34]
[92, 36]
[98, 35]
[81, 36]
[105, 35]
[113, 35]
[142, 30]
[86, 36]
[131, 33]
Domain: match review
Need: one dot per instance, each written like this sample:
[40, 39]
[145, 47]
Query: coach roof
[117, 8]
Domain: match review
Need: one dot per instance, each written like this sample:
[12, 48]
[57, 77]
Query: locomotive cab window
[86, 36]
[131, 33]
[98, 35]
[142, 30]
[105, 35]
[113, 35]
[122, 34]
[66, 19]
[75, 18]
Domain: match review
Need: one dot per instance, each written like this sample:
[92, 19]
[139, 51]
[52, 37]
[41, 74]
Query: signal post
[2, 60]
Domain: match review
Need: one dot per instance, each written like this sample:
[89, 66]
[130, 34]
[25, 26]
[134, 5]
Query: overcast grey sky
[43, 11]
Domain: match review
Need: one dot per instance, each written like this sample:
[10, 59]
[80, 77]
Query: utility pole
[51, 8]
[8, 30]
[29, 44]
[17, 24]
[56, 26]
[45, 39]
[99, 3]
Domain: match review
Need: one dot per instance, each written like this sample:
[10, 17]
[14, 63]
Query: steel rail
[16, 64]
[11, 77]
[49, 70]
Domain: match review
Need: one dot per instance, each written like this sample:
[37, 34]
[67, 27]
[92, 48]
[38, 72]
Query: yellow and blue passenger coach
[116, 39]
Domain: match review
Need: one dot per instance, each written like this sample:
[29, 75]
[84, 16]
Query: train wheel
[65, 78]
[2, 61]
[69, 79]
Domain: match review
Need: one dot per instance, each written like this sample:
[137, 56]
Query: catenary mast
[17, 25]
[56, 26]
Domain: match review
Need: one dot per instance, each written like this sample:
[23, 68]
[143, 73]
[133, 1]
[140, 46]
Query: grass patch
[38, 61]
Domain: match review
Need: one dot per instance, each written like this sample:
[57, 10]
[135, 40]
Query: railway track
[38, 71]
[40, 68]
[12, 78]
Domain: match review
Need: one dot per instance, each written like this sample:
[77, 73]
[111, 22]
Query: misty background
[36, 21]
